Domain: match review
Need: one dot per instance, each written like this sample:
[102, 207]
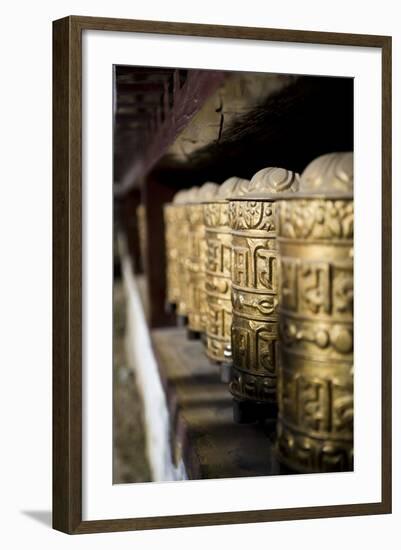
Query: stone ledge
[203, 435]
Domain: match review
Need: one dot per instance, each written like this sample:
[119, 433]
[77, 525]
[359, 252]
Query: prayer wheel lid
[204, 193]
[192, 194]
[328, 176]
[179, 198]
[185, 196]
[233, 186]
[227, 188]
[271, 184]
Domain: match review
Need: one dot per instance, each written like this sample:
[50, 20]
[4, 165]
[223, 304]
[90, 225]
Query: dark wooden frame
[67, 291]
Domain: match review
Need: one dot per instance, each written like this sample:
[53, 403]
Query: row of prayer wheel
[263, 270]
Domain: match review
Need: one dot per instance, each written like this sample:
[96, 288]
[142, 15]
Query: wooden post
[157, 191]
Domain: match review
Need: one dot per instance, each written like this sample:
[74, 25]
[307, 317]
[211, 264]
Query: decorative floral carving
[212, 214]
[316, 219]
[252, 215]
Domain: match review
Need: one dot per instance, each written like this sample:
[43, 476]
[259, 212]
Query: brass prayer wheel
[181, 230]
[315, 243]
[254, 283]
[195, 237]
[172, 223]
[218, 270]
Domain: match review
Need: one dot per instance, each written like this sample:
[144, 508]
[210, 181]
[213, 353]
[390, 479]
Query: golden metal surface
[315, 391]
[255, 286]
[196, 254]
[172, 220]
[218, 270]
[181, 231]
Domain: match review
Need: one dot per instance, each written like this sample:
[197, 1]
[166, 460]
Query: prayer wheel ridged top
[255, 288]
[315, 242]
[218, 270]
[195, 237]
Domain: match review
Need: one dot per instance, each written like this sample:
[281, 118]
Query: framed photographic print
[221, 274]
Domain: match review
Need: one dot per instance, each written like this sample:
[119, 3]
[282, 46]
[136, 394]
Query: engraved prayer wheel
[172, 213]
[254, 283]
[315, 243]
[218, 271]
[181, 230]
[197, 304]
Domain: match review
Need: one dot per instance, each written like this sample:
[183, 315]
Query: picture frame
[68, 296]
